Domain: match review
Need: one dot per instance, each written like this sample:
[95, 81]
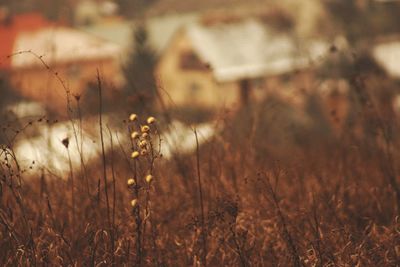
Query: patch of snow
[181, 138]
[49, 152]
[26, 109]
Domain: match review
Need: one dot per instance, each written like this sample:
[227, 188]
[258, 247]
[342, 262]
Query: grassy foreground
[264, 191]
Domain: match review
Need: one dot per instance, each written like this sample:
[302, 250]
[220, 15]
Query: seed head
[65, 142]
[133, 202]
[145, 128]
[143, 143]
[131, 182]
[149, 178]
[151, 120]
[143, 152]
[134, 135]
[135, 154]
[133, 117]
[145, 135]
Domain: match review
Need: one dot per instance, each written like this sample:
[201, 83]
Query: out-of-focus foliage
[7, 97]
[140, 86]
[134, 8]
[7, 94]
[360, 20]
[345, 65]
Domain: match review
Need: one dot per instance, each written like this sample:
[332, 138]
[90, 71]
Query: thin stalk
[203, 229]
[138, 220]
[285, 230]
[103, 149]
[72, 187]
[136, 210]
[113, 198]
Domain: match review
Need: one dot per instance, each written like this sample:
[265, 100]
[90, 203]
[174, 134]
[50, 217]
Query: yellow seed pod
[131, 182]
[151, 120]
[145, 128]
[134, 135]
[133, 117]
[133, 202]
[135, 154]
[142, 143]
[149, 178]
[145, 135]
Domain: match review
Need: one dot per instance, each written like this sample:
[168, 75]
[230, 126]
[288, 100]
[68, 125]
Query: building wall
[191, 87]
[42, 85]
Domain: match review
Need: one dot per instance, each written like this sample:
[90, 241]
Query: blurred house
[216, 65]
[47, 60]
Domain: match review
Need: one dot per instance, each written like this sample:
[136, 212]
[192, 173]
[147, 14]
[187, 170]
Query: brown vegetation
[263, 192]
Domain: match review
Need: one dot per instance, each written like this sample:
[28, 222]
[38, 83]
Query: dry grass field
[262, 192]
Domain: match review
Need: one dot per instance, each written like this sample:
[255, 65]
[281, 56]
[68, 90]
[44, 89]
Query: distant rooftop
[249, 49]
[61, 45]
[160, 30]
[163, 7]
[31, 32]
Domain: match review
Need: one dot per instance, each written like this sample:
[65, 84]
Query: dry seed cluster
[142, 147]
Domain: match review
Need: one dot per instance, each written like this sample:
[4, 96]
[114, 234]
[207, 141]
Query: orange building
[44, 60]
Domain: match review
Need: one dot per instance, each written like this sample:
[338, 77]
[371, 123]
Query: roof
[388, 56]
[60, 45]
[9, 29]
[53, 43]
[160, 30]
[248, 49]
[118, 32]
[178, 6]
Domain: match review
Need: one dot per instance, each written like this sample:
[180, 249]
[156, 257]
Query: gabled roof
[54, 44]
[248, 49]
[11, 27]
[160, 30]
[163, 7]
[61, 45]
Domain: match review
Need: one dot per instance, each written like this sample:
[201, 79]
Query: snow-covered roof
[60, 45]
[160, 30]
[248, 49]
[388, 56]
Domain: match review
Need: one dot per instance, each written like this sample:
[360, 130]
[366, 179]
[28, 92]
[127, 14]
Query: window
[190, 61]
